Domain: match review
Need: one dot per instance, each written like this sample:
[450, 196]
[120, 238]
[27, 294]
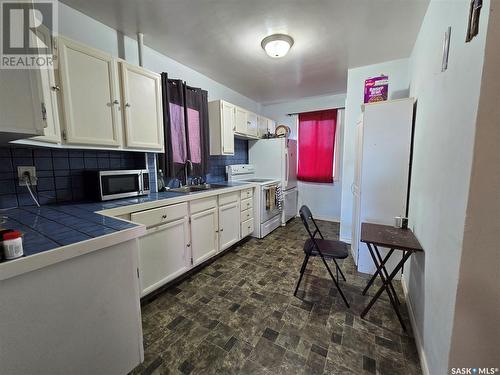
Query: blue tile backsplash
[60, 172]
[217, 164]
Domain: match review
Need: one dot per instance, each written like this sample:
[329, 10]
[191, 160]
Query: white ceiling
[221, 38]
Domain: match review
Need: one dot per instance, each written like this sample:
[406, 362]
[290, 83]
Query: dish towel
[279, 198]
[271, 196]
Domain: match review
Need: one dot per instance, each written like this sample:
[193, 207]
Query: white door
[241, 120]
[90, 95]
[228, 128]
[252, 124]
[204, 238]
[355, 189]
[143, 111]
[229, 225]
[163, 254]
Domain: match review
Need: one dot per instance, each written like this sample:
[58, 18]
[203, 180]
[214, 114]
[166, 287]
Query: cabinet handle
[217, 231]
[188, 245]
[222, 230]
[56, 88]
[127, 104]
[164, 216]
[116, 102]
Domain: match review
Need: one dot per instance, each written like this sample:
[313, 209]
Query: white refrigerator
[277, 158]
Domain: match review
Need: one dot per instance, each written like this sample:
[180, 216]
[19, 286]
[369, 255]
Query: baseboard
[416, 333]
[325, 218]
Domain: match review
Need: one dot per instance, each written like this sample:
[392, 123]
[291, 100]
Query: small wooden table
[395, 239]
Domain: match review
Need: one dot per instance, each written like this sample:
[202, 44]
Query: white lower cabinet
[204, 231]
[229, 225]
[184, 235]
[164, 250]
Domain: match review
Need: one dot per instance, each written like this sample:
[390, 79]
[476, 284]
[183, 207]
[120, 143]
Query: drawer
[199, 205]
[246, 204]
[247, 214]
[247, 193]
[246, 228]
[228, 198]
[160, 215]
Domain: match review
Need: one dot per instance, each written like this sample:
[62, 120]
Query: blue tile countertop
[52, 226]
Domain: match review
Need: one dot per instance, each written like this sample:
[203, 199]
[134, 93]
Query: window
[317, 146]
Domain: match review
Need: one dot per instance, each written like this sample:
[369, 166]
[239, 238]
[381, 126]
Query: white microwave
[107, 185]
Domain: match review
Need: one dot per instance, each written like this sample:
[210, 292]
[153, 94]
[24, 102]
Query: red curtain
[316, 145]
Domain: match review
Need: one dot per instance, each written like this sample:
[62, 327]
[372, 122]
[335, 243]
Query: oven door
[267, 212]
[120, 184]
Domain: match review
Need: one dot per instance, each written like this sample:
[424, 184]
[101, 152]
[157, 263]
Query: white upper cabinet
[22, 107]
[271, 126]
[241, 125]
[142, 107]
[90, 95]
[49, 92]
[222, 125]
[252, 124]
[262, 126]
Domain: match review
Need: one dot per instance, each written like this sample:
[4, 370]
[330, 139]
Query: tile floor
[239, 316]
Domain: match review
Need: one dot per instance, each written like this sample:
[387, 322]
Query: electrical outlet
[22, 171]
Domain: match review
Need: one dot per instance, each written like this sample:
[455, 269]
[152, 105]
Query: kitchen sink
[196, 188]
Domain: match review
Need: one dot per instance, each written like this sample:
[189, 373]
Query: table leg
[376, 272]
[379, 269]
[386, 274]
[384, 286]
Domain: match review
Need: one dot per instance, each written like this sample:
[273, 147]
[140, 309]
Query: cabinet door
[228, 128]
[252, 124]
[262, 126]
[271, 126]
[241, 121]
[90, 95]
[204, 235]
[143, 110]
[49, 91]
[229, 225]
[163, 254]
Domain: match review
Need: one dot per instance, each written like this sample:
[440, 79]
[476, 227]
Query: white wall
[477, 308]
[323, 199]
[77, 26]
[444, 138]
[397, 70]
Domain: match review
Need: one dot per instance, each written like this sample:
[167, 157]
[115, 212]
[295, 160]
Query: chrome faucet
[186, 173]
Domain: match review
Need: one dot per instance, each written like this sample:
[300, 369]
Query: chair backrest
[309, 223]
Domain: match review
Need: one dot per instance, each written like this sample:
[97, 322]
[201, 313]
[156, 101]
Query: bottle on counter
[13, 245]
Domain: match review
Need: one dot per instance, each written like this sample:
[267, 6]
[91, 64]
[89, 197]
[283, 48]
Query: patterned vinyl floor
[239, 316]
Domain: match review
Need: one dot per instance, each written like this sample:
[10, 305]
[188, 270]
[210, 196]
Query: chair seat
[329, 248]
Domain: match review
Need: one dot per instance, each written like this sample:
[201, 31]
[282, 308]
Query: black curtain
[197, 105]
[184, 108]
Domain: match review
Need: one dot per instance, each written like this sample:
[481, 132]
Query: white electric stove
[267, 218]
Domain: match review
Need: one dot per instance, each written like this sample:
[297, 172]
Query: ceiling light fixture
[277, 45]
